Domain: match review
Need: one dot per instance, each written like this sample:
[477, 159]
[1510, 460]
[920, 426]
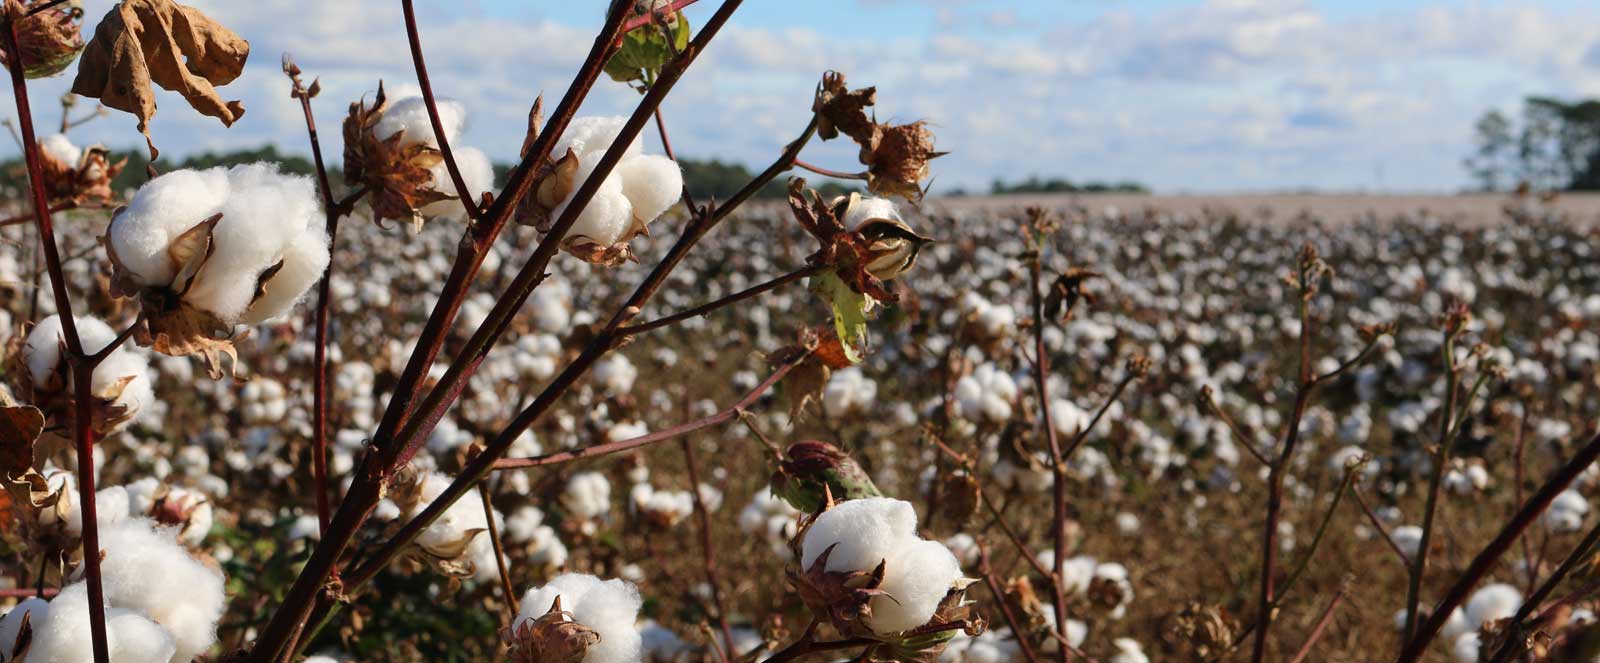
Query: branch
[462, 192]
[707, 552]
[1491, 553]
[734, 298]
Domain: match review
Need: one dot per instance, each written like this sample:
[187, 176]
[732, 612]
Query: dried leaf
[20, 427]
[140, 42]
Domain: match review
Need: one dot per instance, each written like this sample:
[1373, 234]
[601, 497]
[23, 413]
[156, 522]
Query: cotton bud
[811, 471]
[638, 190]
[392, 151]
[120, 385]
[205, 250]
[48, 41]
[75, 174]
[578, 618]
[891, 246]
[863, 567]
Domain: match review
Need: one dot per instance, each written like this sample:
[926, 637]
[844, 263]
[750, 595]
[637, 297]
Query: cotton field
[407, 410]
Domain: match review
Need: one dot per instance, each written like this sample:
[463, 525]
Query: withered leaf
[140, 42]
[20, 427]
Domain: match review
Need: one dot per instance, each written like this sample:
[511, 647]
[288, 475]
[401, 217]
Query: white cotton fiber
[64, 637]
[608, 214]
[137, 394]
[146, 569]
[652, 183]
[476, 171]
[60, 148]
[264, 213]
[867, 532]
[867, 208]
[303, 264]
[1465, 648]
[37, 610]
[916, 579]
[111, 506]
[42, 349]
[588, 495]
[453, 527]
[159, 212]
[1492, 602]
[594, 135]
[410, 114]
[609, 607]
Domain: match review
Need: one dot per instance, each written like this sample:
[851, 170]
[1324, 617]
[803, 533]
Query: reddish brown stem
[1486, 559]
[82, 366]
[641, 21]
[1316, 631]
[499, 554]
[1041, 371]
[734, 298]
[707, 551]
[468, 202]
[1005, 607]
[825, 172]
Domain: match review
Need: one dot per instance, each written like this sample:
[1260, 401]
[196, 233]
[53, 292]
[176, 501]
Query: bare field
[1338, 208]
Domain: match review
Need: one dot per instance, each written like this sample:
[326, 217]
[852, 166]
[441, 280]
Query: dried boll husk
[80, 176]
[48, 41]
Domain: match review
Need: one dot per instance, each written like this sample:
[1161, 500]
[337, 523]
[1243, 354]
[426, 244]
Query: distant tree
[1495, 156]
[1034, 184]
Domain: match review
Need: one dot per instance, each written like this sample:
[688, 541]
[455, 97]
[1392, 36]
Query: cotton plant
[121, 385]
[862, 566]
[579, 618]
[205, 251]
[635, 193]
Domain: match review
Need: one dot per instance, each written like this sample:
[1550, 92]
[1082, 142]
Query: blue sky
[1206, 95]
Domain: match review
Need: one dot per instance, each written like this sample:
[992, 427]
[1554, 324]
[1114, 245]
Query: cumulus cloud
[1227, 94]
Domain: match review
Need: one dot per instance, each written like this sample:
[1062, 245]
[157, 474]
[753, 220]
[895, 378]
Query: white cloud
[1229, 94]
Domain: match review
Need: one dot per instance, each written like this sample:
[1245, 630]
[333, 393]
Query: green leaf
[645, 51]
[849, 312]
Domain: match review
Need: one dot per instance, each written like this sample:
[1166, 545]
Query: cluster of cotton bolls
[161, 603]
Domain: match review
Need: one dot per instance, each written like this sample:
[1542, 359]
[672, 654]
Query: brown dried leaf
[140, 42]
[840, 110]
[897, 159]
[20, 427]
[184, 330]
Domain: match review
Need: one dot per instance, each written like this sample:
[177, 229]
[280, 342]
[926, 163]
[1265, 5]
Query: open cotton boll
[1566, 513]
[448, 533]
[476, 171]
[64, 636]
[410, 114]
[265, 212]
[1492, 602]
[111, 506]
[594, 135]
[163, 209]
[609, 607]
[42, 349]
[652, 184]
[588, 495]
[609, 213]
[867, 532]
[37, 610]
[1465, 648]
[304, 261]
[145, 569]
[1408, 538]
[60, 148]
[915, 580]
[867, 208]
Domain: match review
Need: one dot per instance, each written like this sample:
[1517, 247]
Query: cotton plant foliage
[639, 189]
[206, 250]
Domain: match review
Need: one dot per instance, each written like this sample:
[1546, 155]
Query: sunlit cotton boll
[453, 530]
[1491, 603]
[609, 607]
[145, 569]
[60, 148]
[1408, 538]
[638, 190]
[124, 374]
[269, 221]
[866, 532]
[63, 636]
[410, 115]
[588, 495]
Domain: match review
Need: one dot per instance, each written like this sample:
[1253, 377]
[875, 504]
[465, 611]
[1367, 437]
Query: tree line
[1553, 146]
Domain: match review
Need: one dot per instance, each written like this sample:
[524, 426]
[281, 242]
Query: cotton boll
[37, 610]
[410, 115]
[454, 528]
[145, 569]
[42, 348]
[1465, 648]
[867, 532]
[594, 135]
[1128, 650]
[303, 265]
[476, 172]
[609, 213]
[265, 212]
[652, 184]
[111, 506]
[60, 148]
[588, 495]
[916, 579]
[137, 638]
[158, 213]
[64, 637]
[1566, 513]
[1408, 538]
[1492, 602]
[867, 208]
[609, 607]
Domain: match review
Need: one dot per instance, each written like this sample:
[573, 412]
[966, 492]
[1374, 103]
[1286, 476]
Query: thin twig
[1316, 631]
[707, 551]
[468, 202]
[499, 555]
[825, 172]
[734, 298]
